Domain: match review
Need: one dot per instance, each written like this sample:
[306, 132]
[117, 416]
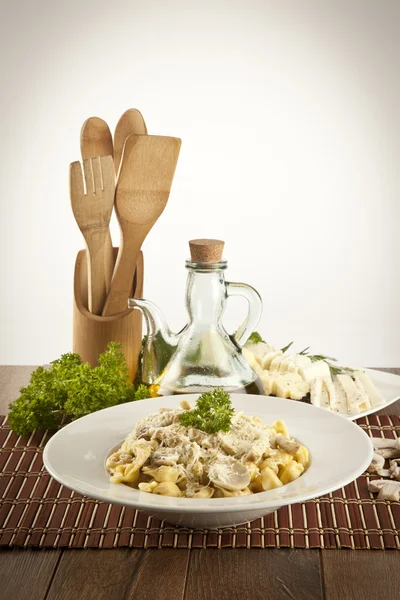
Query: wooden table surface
[124, 574]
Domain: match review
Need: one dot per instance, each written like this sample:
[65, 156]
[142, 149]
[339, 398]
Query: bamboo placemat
[37, 511]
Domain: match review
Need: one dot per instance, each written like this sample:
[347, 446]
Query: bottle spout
[160, 342]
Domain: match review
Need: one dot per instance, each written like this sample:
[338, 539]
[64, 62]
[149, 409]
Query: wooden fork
[92, 211]
[96, 140]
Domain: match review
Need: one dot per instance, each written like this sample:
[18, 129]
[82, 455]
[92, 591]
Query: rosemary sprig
[334, 369]
[283, 350]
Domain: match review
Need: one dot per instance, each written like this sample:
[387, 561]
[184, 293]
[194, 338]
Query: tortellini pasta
[163, 457]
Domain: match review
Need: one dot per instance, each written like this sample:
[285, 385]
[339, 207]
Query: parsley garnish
[213, 412]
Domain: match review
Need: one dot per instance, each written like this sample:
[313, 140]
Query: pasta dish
[163, 456]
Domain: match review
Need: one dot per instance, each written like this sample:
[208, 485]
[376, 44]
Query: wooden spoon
[131, 122]
[92, 212]
[144, 183]
[96, 140]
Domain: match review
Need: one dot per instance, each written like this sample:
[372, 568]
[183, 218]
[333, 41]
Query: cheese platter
[320, 381]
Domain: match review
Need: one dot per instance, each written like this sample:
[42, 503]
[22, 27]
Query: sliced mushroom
[379, 442]
[253, 455]
[388, 448]
[290, 446]
[378, 463]
[383, 473]
[388, 452]
[390, 491]
[376, 485]
[195, 435]
[394, 470]
[229, 474]
[227, 444]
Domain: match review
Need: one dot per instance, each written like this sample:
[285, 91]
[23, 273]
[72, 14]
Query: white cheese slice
[331, 393]
[276, 363]
[268, 380]
[251, 359]
[283, 365]
[315, 391]
[269, 357]
[357, 400]
[322, 393]
[316, 369]
[291, 385]
[339, 402]
[363, 382]
[294, 362]
[259, 350]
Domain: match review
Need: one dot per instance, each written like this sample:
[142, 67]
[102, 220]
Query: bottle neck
[205, 296]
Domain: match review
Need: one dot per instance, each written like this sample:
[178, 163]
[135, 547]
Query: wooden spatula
[92, 212]
[144, 183]
[131, 122]
[96, 140]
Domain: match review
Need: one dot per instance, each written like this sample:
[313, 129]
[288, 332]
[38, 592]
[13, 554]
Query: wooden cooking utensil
[131, 122]
[92, 212]
[144, 182]
[96, 140]
[92, 333]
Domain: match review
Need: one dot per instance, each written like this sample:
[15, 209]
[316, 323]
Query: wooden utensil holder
[92, 333]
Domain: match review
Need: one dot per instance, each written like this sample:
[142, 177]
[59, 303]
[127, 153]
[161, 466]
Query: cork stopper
[206, 251]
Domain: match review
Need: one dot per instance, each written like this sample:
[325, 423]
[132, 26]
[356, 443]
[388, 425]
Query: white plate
[340, 451]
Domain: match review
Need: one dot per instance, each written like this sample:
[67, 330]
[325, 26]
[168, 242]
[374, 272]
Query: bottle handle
[255, 310]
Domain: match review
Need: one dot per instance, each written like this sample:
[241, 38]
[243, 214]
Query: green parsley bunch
[70, 389]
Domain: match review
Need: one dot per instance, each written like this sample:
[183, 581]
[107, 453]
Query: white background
[289, 116]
